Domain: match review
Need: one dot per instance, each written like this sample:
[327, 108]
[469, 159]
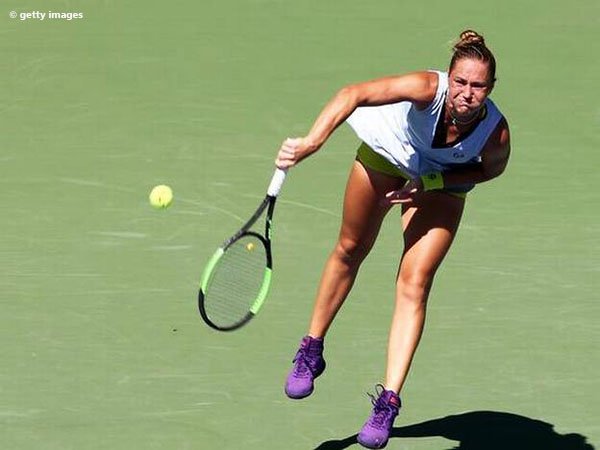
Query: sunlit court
[137, 138]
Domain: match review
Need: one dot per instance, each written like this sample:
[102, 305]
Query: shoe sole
[297, 396]
[369, 445]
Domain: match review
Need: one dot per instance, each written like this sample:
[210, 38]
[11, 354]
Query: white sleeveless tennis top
[404, 135]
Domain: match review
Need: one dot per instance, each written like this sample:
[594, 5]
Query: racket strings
[236, 281]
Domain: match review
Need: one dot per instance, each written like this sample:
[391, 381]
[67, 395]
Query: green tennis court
[102, 346]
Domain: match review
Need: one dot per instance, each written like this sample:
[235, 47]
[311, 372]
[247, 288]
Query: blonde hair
[471, 45]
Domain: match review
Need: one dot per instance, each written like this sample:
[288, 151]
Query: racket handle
[276, 182]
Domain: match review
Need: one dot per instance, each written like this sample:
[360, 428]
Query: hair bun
[470, 37]
[471, 45]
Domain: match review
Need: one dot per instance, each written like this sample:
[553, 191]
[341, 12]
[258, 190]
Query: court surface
[102, 346]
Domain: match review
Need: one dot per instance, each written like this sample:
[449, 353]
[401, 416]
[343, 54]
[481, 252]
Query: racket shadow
[483, 430]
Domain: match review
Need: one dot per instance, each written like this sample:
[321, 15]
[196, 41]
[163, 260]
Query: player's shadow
[483, 430]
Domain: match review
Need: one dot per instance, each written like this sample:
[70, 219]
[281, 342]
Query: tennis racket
[236, 279]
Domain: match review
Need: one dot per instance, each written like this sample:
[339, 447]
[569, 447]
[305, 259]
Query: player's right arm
[417, 87]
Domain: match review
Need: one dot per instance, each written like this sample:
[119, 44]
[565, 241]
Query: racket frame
[269, 204]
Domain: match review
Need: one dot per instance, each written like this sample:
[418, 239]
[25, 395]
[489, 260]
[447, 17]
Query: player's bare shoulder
[425, 87]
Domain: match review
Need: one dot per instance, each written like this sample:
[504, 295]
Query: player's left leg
[429, 224]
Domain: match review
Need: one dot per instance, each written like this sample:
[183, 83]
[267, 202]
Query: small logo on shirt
[458, 155]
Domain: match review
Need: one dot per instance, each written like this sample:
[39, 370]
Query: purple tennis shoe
[308, 365]
[376, 431]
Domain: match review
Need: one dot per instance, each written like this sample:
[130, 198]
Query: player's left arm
[495, 153]
[494, 158]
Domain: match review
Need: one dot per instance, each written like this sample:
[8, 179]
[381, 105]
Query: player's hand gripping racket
[236, 280]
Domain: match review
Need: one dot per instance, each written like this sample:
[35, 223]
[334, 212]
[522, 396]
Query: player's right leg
[362, 217]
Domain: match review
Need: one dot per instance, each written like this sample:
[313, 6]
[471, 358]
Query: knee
[413, 285]
[350, 252]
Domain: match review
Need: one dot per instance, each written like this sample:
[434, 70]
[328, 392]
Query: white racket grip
[276, 182]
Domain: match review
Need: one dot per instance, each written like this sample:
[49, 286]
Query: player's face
[469, 86]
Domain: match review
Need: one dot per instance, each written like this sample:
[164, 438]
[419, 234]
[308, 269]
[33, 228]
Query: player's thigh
[430, 225]
[363, 207]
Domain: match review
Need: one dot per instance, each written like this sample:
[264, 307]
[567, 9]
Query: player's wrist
[432, 181]
[312, 144]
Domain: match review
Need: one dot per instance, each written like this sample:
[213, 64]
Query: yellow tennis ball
[161, 196]
[250, 247]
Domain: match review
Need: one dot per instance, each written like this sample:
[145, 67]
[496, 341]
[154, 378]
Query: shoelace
[302, 364]
[382, 411]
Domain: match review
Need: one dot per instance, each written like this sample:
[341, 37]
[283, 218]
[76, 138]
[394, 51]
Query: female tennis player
[427, 139]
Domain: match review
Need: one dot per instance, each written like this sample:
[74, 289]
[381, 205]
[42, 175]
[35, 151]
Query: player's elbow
[349, 95]
[491, 174]
[492, 171]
